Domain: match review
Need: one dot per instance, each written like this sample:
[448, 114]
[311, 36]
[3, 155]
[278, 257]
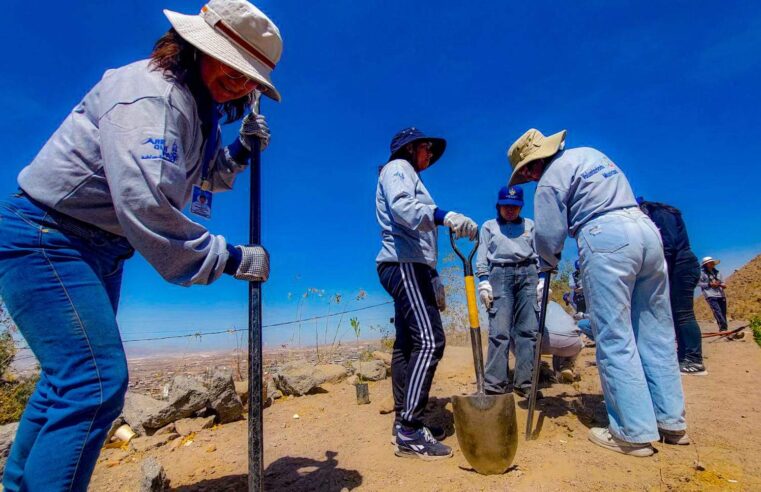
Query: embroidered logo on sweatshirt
[161, 150]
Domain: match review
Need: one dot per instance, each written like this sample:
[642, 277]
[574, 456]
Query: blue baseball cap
[510, 195]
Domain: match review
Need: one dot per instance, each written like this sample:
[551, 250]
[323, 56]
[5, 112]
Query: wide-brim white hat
[708, 259]
[237, 34]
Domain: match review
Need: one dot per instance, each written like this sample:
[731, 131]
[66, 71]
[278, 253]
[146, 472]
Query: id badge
[200, 204]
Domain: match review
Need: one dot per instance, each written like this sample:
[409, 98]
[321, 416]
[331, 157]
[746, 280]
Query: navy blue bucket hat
[412, 135]
[510, 195]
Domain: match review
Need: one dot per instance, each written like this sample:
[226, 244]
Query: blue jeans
[626, 286]
[60, 281]
[512, 320]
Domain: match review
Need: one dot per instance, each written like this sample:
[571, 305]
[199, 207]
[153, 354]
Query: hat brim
[438, 146]
[712, 260]
[549, 147]
[510, 201]
[196, 31]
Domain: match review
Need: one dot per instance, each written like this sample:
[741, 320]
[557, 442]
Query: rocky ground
[325, 441]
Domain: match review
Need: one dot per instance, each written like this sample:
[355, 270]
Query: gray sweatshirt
[578, 185]
[504, 242]
[703, 283]
[125, 160]
[404, 210]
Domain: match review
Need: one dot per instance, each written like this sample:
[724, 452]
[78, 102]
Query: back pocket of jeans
[605, 238]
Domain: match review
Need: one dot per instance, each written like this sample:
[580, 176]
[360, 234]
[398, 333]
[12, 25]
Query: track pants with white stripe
[419, 341]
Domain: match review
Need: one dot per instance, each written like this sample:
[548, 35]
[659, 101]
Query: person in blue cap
[406, 265]
[506, 267]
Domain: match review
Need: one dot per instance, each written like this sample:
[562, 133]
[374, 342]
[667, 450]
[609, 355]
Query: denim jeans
[626, 286]
[512, 320]
[683, 278]
[718, 306]
[60, 281]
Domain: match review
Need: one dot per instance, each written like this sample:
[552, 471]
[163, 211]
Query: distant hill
[743, 293]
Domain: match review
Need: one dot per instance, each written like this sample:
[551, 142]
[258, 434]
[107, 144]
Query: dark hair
[649, 207]
[176, 58]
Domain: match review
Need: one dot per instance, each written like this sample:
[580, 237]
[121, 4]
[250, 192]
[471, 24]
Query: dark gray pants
[719, 308]
[512, 319]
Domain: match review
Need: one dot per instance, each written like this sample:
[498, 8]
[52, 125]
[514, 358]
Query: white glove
[254, 126]
[254, 264]
[540, 290]
[580, 316]
[485, 293]
[461, 225]
[438, 290]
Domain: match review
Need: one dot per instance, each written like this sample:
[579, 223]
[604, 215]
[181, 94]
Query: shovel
[486, 426]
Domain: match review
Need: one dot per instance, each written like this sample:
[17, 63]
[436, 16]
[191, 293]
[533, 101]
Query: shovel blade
[487, 431]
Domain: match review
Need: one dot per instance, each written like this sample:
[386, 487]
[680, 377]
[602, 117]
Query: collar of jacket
[502, 221]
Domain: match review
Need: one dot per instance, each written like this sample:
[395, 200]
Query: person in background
[112, 179]
[712, 284]
[406, 266]
[577, 289]
[683, 273]
[581, 192]
[507, 274]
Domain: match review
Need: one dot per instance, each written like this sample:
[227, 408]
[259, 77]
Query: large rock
[139, 409]
[383, 356]
[153, 477]
[222, 397]
[187, 396]
[241, 387]
[371, 370]
[299, 378]
[330, 373]
[7, 435]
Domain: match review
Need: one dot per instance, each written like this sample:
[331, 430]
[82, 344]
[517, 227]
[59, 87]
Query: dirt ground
[337, 445]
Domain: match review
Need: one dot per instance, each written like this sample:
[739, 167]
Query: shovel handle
[537, 356]
[470, 284]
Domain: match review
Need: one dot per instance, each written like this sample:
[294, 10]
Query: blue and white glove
[254, 126]
[254, 264]
[461, 225]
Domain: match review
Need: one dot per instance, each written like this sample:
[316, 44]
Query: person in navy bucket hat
[406, 265]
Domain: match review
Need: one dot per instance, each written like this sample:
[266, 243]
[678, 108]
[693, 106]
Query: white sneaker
[603, 438]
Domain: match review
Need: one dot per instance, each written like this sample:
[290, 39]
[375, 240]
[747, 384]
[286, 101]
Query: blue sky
[668, 90]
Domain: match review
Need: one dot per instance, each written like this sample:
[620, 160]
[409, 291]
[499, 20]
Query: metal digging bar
[538, 355]
[255, 427]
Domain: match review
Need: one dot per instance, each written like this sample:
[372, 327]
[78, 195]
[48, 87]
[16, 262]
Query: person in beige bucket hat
[114, 178]
[580, 192]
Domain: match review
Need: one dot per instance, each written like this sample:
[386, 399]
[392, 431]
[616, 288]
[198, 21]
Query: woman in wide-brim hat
[112, 179]
[712, 285]
[406, 266]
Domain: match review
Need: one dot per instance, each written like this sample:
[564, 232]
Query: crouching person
[507, 274]
[112, 179]
[406, 265]
[583, 193]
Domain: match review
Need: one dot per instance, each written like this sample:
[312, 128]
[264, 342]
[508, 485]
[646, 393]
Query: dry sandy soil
[337, 445]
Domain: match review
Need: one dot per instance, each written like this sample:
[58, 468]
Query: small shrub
[13, 398]
[755, 325]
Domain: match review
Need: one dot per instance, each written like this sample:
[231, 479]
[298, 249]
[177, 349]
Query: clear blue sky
[668, 90]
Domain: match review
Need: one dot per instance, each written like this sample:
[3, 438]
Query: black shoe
[438, 433]
[692, 368]
[526, 391]
[420, 444]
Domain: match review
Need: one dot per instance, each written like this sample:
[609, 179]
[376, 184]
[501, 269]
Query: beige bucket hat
[237, 34]
[531, 146]
[709, 259]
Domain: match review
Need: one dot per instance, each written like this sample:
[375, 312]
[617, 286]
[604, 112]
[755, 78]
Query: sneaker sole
[404, 453]
[637, 452]
[675, 441]
[697, 373]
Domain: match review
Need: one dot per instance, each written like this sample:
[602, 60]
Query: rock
[297, 378]
[153, 477]
[139, 409]
[167, 429]
[382, 356]
[186, 396]
[241, 388]
[142, 444]
[7, 435]
[371, 370]
[330, 373]
[272, 390]
[277, 395]
[352, 380]
[188, 426]
[387, 405]
[223, 399]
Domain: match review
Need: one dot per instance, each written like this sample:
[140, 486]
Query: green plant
[14, 391]
[354, 322]
[755, 325]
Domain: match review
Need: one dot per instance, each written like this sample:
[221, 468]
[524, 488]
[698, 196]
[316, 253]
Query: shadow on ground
[288, 473]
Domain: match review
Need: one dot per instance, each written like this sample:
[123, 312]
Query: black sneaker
[438, 433]
[526, 391]
[693, 369]
[420, 444]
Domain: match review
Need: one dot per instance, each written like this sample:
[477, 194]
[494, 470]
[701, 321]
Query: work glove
[254, 264]
[578, 316]
[438, 290]
[254, 126]
[461, 225]
[485, 293]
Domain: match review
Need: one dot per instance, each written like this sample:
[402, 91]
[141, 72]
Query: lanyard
[211, 146]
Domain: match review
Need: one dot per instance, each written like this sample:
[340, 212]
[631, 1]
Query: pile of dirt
[743, 293]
